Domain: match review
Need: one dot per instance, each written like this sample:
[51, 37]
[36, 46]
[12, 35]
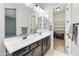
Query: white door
[68, 29]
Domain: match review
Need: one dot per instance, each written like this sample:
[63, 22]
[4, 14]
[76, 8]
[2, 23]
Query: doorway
[59, 28]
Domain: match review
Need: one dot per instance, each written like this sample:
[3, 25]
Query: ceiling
[52, 5]
[12, 13]
[48, 5]
[62, 9]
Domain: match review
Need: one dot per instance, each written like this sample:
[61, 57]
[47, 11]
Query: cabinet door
[37, 51]
[48, 43]
[44, 46]
[21, 52]
[68, 29]
[32, 46]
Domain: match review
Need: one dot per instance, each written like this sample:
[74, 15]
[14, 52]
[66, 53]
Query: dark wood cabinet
[21, 51]
[38, 48]
[37, 51]
[32, 46]
[46, 44]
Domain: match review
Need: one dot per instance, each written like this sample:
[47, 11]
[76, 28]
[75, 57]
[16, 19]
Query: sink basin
[33, 36]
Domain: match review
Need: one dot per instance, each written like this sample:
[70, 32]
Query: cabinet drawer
[48, 43]
[46, 38]
[37, 51]
[40, 42]
[32, 46]
[21, 52]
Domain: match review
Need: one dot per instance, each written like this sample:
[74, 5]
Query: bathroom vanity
[34, 45]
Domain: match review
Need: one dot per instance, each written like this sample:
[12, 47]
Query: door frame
[67, 40]
[53, 24]
[68, 22]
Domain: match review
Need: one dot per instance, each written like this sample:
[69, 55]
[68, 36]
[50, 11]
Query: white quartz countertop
[15, 43]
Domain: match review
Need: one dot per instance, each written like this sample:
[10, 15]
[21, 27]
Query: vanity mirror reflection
[33, 24]
[41, 24]
[46, 23]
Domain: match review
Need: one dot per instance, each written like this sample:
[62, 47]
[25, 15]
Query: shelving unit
[59, 22]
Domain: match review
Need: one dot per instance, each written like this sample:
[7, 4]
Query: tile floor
[59, 49]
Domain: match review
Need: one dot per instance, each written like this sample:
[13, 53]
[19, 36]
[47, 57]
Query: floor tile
[59, 49]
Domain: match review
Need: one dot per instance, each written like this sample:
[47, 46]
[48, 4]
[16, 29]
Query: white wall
[75, 13]
[75, 19]
[23, 15]
[2, 29]
[50, 13]
[10, 5]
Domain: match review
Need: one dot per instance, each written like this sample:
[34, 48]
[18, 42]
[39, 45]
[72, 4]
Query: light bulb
[57, 9]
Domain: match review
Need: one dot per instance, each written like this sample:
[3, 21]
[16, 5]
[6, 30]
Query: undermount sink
[32, 36]
[36, 35]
